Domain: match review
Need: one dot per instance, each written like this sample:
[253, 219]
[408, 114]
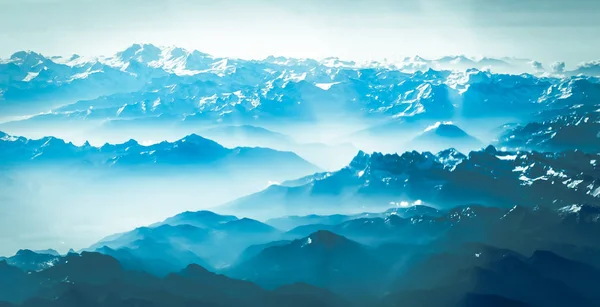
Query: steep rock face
[571, 123]
[488, 176]
[571, 129]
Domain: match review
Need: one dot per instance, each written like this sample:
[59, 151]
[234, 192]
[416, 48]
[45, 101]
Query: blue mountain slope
[192, 150]
[449, 178]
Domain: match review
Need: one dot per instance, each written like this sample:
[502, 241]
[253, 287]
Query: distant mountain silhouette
[28, 260]
[202, 219]
[440, 136]
[321, 259]
[202, 237]
[191, 151]
[92, 279]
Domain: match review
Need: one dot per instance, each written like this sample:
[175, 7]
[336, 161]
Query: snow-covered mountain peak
[456, 59]
[29, 58]
[144, 53]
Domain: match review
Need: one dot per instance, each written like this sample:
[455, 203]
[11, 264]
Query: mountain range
[473, 260]
[190, 151]
[146, 91]
[211, 181]
[92, 279]
[190, 237]
[446, 179]
[227, 240]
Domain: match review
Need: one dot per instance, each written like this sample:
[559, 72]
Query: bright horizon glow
[352, 30]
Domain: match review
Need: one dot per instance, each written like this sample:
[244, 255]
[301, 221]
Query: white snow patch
[83, 75]
[155, 104]
[37, 155]
[326, 86]
[296, 77]
[120, 110]
[552, 172]
[509, 212]
[529, 181]
[436, 125]
[8, 138]
[520, 168]
[571, 208]
[594, 193]
[574, 184]
[30, 76]
[507, 158]
[211, 99]
[308, 241]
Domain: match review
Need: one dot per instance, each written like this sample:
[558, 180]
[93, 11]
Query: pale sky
[546, 30]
